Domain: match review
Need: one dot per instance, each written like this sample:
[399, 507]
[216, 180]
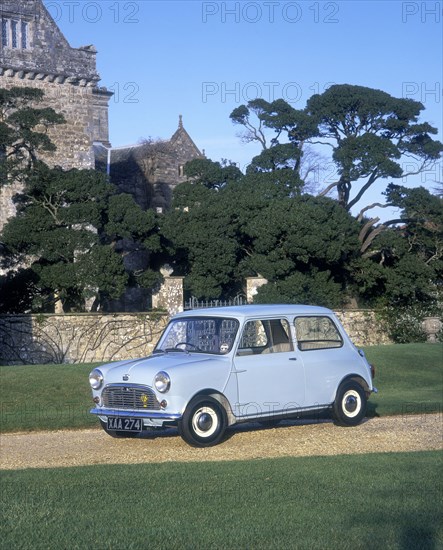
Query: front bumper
[148, 415]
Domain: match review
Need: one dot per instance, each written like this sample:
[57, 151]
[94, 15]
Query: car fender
[358, 378]
[218, 396]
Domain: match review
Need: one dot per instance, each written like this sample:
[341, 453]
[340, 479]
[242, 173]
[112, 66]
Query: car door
[269, 372]
[325, 355]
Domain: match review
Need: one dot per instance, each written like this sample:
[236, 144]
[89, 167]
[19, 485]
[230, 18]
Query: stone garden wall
[364, 327]
[37, 339]
[82, 338]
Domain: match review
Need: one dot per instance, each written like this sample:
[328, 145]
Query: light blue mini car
[216, 367]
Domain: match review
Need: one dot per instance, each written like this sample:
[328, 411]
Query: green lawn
[409, 378]
[389, 501]
[361, 501]
[45, 397]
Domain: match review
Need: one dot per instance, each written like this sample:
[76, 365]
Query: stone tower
[34, 53]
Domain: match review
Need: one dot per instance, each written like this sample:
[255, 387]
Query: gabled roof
[179, 139]
[181, 136]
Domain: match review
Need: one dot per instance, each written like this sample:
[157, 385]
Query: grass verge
[409, 378]
[358, 501]
[47, 397]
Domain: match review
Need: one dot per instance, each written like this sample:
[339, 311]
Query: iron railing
[194, 303]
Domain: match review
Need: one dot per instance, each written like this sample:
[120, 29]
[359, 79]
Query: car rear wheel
[350, 404]
[204, 422]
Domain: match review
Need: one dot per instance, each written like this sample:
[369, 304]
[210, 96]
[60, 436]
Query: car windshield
[199, 334]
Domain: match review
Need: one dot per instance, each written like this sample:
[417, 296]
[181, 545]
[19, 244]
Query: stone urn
[432, 326]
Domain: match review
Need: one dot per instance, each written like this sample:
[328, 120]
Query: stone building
[34, 53]
[150, 170]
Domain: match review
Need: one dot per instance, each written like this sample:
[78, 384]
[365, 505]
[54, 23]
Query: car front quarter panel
[190, 375]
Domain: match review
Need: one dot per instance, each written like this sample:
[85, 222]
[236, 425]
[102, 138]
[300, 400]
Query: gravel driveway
[292, 438]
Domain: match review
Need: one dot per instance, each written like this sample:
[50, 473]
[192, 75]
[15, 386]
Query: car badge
[144, 400]
[125, 377]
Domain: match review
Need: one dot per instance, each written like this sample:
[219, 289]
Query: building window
[15, 34]
[24, 35]
[5, 33]
[14, 43]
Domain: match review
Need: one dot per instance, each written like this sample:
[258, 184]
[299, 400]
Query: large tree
[405, 264]
[65, 243]
[66, 230]
[55, 233]
[372, 136]
[284, 148]
[23, 131]
[222, 234]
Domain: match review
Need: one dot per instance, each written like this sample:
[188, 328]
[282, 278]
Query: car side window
[317, 332]
[265, 336]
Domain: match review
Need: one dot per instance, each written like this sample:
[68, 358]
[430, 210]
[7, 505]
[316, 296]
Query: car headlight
[96, 379]
[162, 382]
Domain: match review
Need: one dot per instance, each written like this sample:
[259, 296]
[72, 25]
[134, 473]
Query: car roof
[255, 310]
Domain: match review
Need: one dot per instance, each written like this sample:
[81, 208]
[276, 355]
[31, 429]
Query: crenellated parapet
[31, 76]
[32, 42]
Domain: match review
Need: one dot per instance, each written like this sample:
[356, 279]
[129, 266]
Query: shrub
[404, 324]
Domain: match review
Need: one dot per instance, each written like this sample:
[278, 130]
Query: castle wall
[34, 53]
[81, 107]
[38, 56]
[73, 139]
[37, 44]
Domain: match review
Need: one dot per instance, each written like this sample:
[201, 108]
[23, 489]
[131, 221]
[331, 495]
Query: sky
[203, 59]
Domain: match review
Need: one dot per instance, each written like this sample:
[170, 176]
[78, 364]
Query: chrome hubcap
[204, 422]
[351, 403]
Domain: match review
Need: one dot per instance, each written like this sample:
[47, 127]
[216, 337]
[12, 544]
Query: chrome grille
[130, 397]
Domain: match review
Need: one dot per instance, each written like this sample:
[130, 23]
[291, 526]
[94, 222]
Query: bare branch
[320, 143]
[364, 230]
[367, 240]
[369, 207]
[329, 188]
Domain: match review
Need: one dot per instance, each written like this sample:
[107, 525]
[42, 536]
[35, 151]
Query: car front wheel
[204, 422]
[350, 404]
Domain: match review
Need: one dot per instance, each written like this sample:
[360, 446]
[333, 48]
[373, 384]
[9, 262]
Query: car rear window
[316, 332]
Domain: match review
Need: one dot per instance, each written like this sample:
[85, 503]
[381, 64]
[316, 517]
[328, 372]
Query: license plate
[124, 424]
